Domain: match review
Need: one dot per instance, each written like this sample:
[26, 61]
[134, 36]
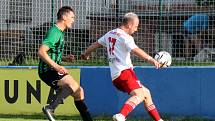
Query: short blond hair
[128, 17]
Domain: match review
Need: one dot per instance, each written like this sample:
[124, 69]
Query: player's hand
[61, 70]
[85, 57]
[156, 64]
[69, 58]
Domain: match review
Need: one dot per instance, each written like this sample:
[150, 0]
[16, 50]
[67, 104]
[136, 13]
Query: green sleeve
[51, 38]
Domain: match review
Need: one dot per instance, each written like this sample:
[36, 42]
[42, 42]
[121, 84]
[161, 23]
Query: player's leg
[148, 103]
[50, 78]
[61, 94]
[78, 93]
[128, 82]
[135, 99]
[49, 112]
[80, 104]
[138, 96]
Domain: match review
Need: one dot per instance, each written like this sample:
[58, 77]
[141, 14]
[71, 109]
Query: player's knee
[79, 94]
[138, 99]
[139, 96]
[147, 93]
[143, 94]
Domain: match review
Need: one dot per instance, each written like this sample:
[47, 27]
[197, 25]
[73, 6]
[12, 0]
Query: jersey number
[112, 42]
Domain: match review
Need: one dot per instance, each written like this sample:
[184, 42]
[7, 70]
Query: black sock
[61, 94]
[82, 108]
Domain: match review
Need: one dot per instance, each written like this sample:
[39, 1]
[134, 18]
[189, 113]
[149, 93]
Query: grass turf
[41, 117]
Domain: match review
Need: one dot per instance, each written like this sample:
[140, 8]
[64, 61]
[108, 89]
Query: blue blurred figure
[194, 26]
[196, 23]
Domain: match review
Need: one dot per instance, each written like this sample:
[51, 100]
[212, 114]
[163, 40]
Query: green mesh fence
[163, 26]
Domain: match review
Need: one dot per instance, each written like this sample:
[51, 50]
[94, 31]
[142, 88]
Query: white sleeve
[130, 44]
[102, 41]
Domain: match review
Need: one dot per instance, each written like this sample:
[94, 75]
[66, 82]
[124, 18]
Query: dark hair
[62, 11]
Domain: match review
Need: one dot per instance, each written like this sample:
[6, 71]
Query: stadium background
[23, 24]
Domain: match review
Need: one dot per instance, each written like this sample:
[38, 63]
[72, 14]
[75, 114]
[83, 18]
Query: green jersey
[54, 39]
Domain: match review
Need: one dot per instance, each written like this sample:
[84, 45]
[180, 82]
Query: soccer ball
[164, 58]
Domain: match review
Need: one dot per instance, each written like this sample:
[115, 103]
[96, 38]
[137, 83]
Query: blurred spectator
[196, 23]
[194, 27]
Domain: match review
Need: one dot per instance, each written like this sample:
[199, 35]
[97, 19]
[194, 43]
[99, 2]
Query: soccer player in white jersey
[119, 44]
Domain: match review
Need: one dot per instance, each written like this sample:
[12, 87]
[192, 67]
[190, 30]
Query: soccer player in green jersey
[52, 73]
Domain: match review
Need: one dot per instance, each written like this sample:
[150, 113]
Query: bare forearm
[140, 53]
[143, 55]
[44, 56]
[68, 58]
[92, 48]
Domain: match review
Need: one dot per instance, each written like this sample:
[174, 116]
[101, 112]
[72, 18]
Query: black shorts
[51, 78]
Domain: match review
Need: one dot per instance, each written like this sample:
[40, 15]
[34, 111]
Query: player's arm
[90, 49]
[68, 58]
[143, 55]
[42, 53]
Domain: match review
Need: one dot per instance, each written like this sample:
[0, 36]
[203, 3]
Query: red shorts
[127, 81]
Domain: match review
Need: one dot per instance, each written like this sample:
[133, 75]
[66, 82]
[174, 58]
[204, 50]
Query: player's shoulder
[120, 33]
[54, 29]
[127, 37]
[53, 33]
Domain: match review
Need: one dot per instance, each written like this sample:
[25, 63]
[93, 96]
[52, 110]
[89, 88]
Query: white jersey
[119, 45]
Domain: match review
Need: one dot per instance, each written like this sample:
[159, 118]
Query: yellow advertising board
[22, 92]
